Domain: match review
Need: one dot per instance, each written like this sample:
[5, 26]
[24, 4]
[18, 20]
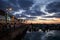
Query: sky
[32, 9]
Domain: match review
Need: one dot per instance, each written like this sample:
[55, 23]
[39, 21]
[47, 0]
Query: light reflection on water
[51, 35]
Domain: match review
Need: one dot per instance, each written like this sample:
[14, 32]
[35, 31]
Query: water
[51, 35]
[34, 36]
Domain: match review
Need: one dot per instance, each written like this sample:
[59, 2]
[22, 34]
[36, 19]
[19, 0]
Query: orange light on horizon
[55, 21]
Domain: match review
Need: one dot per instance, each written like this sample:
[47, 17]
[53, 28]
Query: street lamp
[8, 10]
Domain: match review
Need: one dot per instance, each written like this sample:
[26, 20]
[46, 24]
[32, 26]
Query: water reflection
[50, 35]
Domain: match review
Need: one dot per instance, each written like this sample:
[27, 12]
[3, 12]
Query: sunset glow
[51, 21]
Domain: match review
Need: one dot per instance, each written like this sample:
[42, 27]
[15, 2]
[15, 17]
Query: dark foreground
[30, 32]
[51, 35]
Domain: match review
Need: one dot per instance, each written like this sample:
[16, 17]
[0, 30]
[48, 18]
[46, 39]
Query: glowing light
[9, 9]
[48, 21]
[22, 18]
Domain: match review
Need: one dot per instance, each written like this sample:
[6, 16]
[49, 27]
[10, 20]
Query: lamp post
[8, 10]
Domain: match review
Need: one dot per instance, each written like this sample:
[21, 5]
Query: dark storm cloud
[31, 7]
[16, 4]
[13, 1]
[25, 4]
[6, 4]
[3, 4]
[53, 7]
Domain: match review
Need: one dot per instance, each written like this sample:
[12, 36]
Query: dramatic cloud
[25, 4]
[34, 13]
[53, 7]
[32, 9]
